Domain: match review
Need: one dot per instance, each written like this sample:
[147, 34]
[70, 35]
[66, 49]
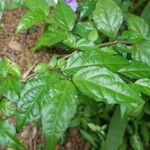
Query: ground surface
[18, 49]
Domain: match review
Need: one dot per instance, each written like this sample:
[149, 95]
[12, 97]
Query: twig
[27, 73]
[115, 42]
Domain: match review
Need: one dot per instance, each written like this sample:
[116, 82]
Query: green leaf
[145, 12]
[8, 135]
[144, 85]
[136, 142]
[87, 8]
[64, 16]
[33, 96]
[137, 28]
[103, 85]
[2, 5]
[50, 38]
[117, 127]
[58, 112]
[93, 58]
[7, 108]
[85, 30]
[38, 5]
[11, 88]
[136, 69]
[108, 17]
[30, 19]
[141, 52]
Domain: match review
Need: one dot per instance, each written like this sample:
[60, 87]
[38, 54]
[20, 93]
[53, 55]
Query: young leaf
[30, 19]
[136, 69]
[58, 112]
[38, 5]
[108, 17]
[50, 38]
[8, 137]
[35, 93]
[117, 127]
[64, 16]
[138, 28]
[141, 52]
[94, 58]
[144, 85]
[103, 85]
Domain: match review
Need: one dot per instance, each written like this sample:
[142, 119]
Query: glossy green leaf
[141, 52]
[11, 88]
[64, 16]
[103, 85]
[144, 85]
[7, 108]
[29, 19]
[136, 69]
[38, 5]
[117, 127]
[50, 38]
[57, 114]
[33, 96]
[137, 28]
[108, 17]
[8, 135]
[93, 58]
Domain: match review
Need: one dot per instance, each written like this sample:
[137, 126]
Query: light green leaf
[50, 38]
[38, 5]
[35, 93]
[64, 16]
[144, 85]
[136, 69]
[11, 88]
[93, 58]
[57, 114]
[30, 19]
[138, 27]
[8, 135]
[108, 17]
[117, 127]
[103, 85]
[141, 52]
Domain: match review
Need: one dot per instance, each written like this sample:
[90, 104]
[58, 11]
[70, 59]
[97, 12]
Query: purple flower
[73, 4]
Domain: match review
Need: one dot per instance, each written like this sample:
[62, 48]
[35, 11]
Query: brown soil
[17, 47]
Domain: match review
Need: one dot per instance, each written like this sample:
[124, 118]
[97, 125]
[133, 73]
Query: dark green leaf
[50, 38]
[64, 16]
[93, 58]
[136, 69]
[33, 96]
[8, 135]
[141, 52]
[144, 85]
[108, 17]
[30, 19]
[117, 127]
[57, 114]
[103, 85]
[2, 5]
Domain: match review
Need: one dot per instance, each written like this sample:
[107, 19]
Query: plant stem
[115, 42]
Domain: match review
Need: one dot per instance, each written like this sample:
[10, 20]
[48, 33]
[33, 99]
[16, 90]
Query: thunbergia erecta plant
[98, 80]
